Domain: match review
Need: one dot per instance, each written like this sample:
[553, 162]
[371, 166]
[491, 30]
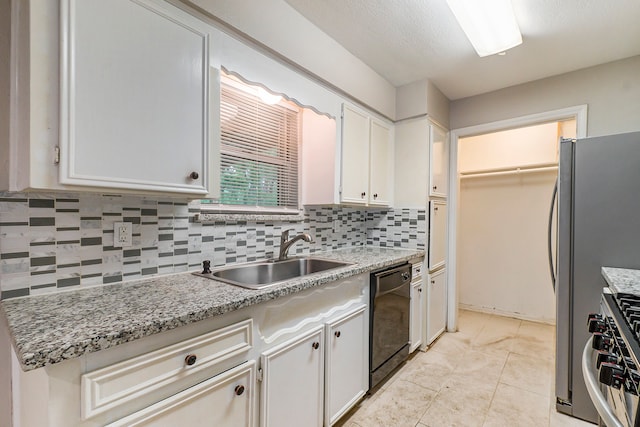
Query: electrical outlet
[122, 234]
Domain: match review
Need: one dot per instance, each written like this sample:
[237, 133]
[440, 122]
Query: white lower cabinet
[415, 333]
[312, 349]
[226, 400]
[347, 363]
[293, 382]
[437, 304]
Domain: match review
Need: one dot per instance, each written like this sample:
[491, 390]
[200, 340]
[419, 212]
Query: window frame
[212, 205]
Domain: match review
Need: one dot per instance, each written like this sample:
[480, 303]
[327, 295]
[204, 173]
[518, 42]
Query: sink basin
[267, 273]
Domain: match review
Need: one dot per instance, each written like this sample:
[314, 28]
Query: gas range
[616, 355]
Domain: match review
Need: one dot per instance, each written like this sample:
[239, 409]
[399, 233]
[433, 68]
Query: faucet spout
[285, 243]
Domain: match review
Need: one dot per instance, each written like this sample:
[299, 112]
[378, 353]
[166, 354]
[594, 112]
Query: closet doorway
[506, 183]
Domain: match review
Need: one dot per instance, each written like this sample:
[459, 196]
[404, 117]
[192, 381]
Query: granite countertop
[622, 280]
[48, 329]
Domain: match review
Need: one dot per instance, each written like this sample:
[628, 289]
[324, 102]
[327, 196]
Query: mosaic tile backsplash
[51, 242]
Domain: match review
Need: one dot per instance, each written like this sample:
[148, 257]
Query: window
[259, 146]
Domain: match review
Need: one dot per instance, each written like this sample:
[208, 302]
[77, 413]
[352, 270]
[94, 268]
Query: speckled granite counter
[622, 280]
[48, 329]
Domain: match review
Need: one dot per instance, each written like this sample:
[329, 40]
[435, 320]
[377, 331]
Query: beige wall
[612, 92]
[502, 245]
[306, 45]
[512, 148]
[419, 98]
[502, 249]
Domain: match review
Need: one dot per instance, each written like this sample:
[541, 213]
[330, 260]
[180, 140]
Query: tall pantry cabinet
[438, 192]
[421, 181]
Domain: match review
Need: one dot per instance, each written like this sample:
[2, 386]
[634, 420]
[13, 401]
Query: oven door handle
[593, 387]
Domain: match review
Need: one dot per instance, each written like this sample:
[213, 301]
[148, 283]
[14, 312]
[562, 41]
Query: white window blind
[258, 152]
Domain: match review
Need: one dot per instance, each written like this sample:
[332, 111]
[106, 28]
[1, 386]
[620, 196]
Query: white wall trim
[15, 389]
[498, 312]
[579, 112]
[15, 91]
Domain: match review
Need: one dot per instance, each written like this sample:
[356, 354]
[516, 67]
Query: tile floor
[495, 371]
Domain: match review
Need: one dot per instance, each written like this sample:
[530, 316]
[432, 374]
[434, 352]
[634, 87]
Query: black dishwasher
[389, 322]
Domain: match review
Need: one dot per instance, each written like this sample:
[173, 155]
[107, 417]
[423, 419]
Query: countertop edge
[622, 280]
[58, 352]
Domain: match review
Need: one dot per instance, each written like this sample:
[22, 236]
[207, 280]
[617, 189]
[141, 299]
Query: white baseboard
[498, 312]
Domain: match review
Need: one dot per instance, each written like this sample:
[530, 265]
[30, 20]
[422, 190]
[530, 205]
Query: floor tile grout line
[493, 395]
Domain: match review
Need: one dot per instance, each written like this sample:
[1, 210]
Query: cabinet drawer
[416, 272]
[226, 400]
[166, 371]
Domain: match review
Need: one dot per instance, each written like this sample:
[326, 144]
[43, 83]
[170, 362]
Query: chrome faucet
[285, 243]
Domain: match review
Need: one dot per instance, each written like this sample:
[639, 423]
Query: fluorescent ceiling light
[490, 25]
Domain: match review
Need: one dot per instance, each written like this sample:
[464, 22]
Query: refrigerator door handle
[549, 235]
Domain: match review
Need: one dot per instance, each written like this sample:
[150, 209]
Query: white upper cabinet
[134, 96]
[437, 234]
[355, 156]
[367, 159]
[380, 164]
[111, 95]
[421, 162]
[439, 161]
[411, 163]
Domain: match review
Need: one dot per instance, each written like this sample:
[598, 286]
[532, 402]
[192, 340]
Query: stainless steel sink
[260, 275]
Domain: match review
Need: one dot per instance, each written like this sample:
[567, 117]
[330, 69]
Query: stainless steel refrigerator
[598, 225]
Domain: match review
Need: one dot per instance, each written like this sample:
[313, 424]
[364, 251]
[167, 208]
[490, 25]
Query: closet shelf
[543, 167]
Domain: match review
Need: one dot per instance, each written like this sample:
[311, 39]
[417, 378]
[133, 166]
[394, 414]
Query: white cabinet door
[415, 326]
[226, 400]
[439, 160]
[437, 234]
[436, 305]
[380, 164]
[347, 363]
[134, 96]
[293, 382]
[355, 156]
[411, 160]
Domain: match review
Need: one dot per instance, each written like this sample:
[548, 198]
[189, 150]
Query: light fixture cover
[490, 25]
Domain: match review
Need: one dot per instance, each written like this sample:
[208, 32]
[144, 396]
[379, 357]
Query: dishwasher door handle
[388, 291]
[598, 399]
[392, 271]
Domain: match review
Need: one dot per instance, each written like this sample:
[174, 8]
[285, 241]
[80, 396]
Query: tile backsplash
[54, 241]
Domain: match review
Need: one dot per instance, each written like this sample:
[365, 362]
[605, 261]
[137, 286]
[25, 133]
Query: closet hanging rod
[511, 171]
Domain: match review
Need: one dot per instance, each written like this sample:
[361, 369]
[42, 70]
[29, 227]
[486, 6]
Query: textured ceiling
[410, 40]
